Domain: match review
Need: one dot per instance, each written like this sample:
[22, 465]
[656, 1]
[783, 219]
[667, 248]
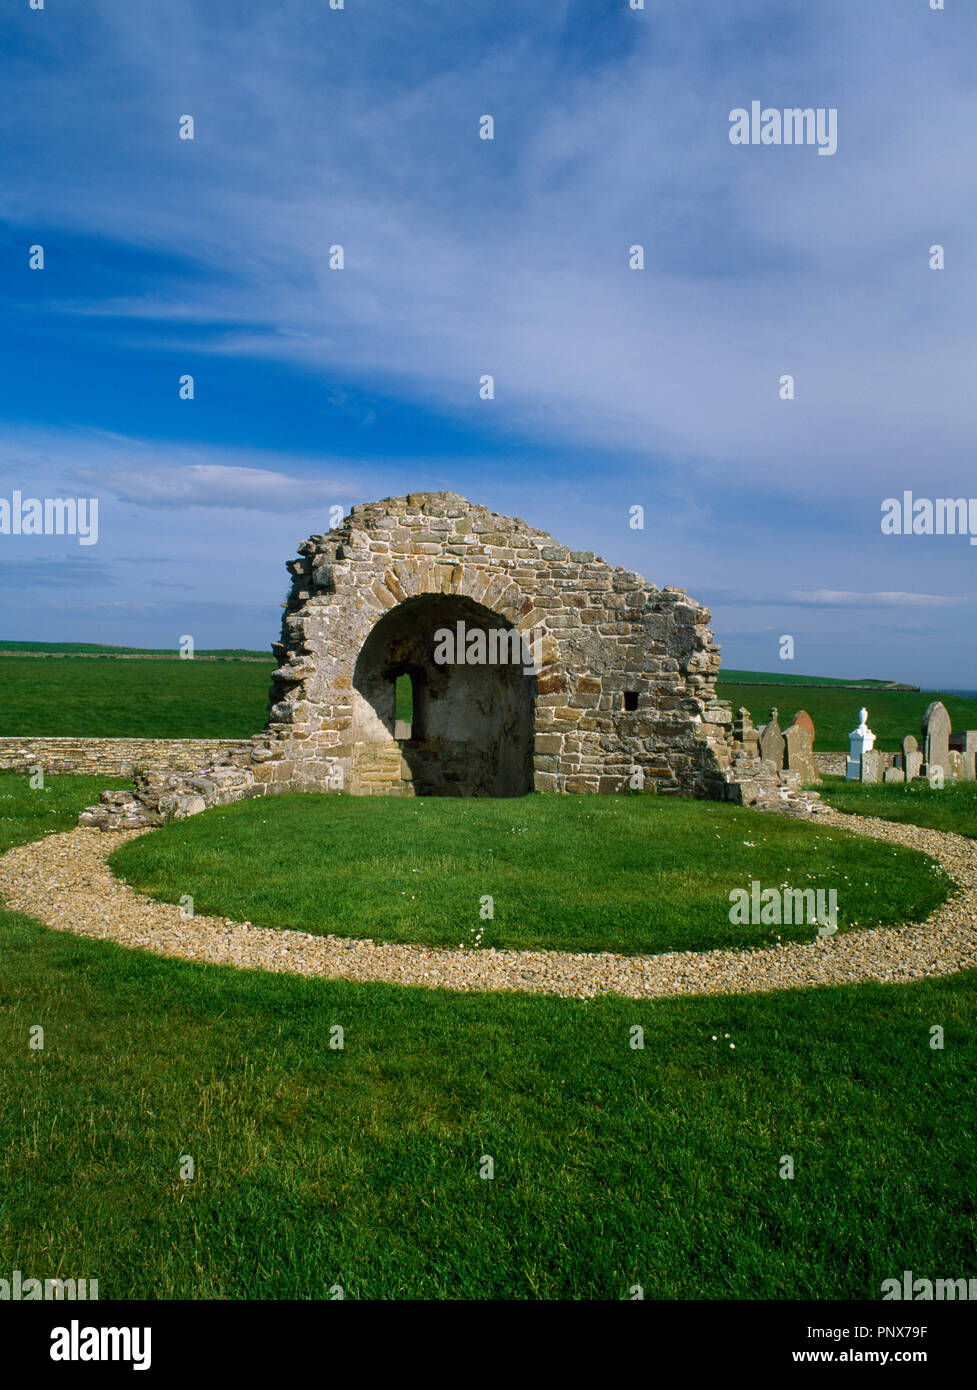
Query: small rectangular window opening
[631, 700]
[403, 707]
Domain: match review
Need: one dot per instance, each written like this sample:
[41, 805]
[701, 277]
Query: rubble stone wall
[118, 757]
[833, 764]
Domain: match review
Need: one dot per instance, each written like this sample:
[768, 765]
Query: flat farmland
[114, 697]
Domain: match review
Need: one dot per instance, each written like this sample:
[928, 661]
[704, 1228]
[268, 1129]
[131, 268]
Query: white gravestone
[860, 740]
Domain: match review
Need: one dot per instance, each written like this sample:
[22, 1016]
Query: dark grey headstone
[965, 741]
[772, 742]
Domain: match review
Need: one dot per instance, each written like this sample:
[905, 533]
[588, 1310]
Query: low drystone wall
[836, 763]
[119, 757]
[831, 763]
[124, 757]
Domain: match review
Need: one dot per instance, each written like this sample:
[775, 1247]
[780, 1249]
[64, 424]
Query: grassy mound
[635, 874]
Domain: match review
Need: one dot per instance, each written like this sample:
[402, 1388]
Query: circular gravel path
[63, 881]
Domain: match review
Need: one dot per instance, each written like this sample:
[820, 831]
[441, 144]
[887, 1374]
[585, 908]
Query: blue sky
[614, 387]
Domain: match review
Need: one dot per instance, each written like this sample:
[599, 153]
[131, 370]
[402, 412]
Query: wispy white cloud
[463, 257]
[884, 599]
[509, 256]
[214, 485]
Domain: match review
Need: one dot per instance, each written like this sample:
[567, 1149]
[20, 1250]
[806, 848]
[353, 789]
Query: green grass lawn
[360, 1167]
[891, 713]
[636, 874]
[26, 814]
[954, 807]
[85, 698]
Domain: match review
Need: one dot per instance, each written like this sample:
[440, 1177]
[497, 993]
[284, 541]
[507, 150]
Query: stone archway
[472, 730]
[625, 695]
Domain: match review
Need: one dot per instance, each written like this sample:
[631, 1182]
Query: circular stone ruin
[591, 679]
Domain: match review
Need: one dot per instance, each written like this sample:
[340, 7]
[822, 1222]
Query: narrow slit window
[630, 700]
[404, 706]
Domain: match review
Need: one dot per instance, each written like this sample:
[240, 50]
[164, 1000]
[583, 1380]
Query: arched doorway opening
[429, 726]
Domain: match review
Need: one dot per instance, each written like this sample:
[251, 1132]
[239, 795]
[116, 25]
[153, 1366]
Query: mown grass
[28, 814]
[614, 1166]
[891, 713]
[82, 697]
[631, 873]
[952, 807]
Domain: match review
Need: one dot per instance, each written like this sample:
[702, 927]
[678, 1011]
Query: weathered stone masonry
[119, 757]
[413, 565]
[625, 690]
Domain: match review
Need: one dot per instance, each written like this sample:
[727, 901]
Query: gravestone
[912, 765]
[910, 760]
[798, 755]
[745, 733]
[954, 765]
[894, 774]
[936, 737]
[860, 742]
[871, 767]
[802, 720]
[965, 741]
[772, 742]
[969, 770]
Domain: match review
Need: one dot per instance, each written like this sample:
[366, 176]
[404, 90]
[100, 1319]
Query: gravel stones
[64, 882]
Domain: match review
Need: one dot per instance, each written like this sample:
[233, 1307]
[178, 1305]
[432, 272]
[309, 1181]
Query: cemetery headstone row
[954, 755]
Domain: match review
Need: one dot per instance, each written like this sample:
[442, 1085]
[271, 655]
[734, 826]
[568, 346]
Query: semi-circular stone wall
[623, 693]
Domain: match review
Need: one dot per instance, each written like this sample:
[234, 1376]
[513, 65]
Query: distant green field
[77, 695]
[783, 678]
[81, 698]
[97, 649]
[891, 713]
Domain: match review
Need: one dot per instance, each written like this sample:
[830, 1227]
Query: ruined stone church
[620, 694]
